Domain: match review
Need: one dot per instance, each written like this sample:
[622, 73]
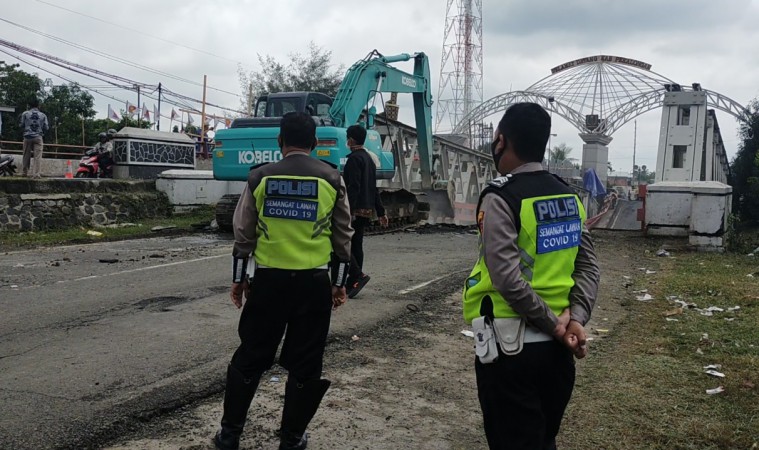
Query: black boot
[301, 402]
[237, 397]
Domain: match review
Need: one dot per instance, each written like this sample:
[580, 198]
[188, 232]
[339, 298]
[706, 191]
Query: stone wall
[26, 205]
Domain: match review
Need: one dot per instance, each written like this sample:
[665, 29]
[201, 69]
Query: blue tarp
[592, 183]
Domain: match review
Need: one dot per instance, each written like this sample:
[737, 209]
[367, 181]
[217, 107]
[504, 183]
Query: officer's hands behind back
[338, 296]
[237, 292]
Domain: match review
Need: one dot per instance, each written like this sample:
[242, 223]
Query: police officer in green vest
[291, 225]
[532, 289]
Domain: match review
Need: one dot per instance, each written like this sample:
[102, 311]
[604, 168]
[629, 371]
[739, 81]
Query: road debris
[355, 338]
[650, 272]
[94, 233]
[713, 366]
[733, 308]
[121, 225]
[601, 331]
[717, 390]
[685, 304]
[714, 373]
[467, 333]
[670, 319]
[662, 252]
[163, 228]
[673, 312]
[644, 298]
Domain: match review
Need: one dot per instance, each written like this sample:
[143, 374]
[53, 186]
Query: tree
[744, 170]
[68, 109]
[312, 72]
[16, 89]
[560, 153]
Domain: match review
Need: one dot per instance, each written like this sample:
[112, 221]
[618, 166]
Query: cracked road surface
[97, 338]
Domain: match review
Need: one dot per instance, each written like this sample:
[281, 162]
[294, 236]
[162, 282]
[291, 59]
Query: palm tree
[560, 153]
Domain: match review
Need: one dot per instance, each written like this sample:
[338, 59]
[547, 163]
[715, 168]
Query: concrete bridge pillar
[595, 153]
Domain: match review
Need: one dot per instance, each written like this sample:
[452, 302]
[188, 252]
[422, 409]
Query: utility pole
[635, 141]
[203, 119]
[158, 119]
[138, 106]
[250, 99]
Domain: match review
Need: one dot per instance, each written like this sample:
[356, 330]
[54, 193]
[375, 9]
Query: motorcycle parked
[7, 167]
[95, 165]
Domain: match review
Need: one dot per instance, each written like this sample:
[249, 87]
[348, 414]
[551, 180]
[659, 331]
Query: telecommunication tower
[460, 88]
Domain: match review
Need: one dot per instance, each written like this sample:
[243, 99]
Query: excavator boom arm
[373, 75]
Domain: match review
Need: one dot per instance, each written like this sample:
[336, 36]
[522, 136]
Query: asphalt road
[623, 217]
[89, 348]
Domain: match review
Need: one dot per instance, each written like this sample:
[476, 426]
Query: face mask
[496, 157]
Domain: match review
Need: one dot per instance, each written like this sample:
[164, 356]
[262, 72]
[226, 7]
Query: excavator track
[402, 209]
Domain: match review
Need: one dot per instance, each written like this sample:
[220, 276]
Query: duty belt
[323, 267]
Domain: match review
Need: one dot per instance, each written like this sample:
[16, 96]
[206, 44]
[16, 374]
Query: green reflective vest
[294, 222]
[550, 218]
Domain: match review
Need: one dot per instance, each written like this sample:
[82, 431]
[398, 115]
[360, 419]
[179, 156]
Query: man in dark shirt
[360, 178]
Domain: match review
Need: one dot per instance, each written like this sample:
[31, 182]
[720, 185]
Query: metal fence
[54, 151]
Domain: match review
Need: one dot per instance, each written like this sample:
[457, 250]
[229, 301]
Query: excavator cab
[239, 147]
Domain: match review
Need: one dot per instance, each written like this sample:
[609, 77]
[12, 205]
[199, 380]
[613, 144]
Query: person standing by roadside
[532, 289]
[360, 174]
[291, 224]
[35, 125]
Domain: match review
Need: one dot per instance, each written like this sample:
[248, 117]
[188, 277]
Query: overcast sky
[714, 43]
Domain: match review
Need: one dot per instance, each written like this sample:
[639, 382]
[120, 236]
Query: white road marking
[139, 269]
[427, 283]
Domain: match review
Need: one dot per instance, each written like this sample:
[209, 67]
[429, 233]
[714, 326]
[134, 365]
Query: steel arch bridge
[598, 95]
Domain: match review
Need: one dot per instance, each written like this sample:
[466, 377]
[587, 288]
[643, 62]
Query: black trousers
[523, 397]
[298, 302]
[357, 248]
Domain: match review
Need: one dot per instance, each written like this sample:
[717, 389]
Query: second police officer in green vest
[532, 289]
[292, 222]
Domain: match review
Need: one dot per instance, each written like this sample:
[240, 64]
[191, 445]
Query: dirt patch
[405, 383]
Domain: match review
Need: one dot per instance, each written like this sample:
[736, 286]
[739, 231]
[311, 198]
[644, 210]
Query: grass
[183, 223]
[645, 387]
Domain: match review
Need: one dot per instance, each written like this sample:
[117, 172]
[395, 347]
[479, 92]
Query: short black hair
[298, 129]
[34, 102]
[527, 126]
[358, 133]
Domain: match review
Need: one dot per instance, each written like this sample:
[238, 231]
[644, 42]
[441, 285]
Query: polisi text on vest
[292, 188]
[556, 208]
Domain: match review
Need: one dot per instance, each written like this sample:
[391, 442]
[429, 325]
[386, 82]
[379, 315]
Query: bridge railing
[54, 151]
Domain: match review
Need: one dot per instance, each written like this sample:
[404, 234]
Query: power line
[141, 32]
[61, 76]
[113, 58]
[90, 88]
[97, 74]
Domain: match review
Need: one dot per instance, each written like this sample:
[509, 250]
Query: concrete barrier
[187, 189]
[698, 210]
